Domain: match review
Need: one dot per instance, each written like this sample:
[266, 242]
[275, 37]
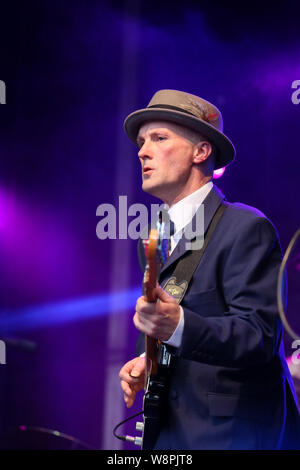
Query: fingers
[140, 322]
[133, 370]
[129, 394]
[162, 323]
[138, 368]
[144, 306]
[144, 315]
[132, 379]
[163, 295]
[150, 308]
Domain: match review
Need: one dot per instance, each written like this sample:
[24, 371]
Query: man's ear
[202, 151]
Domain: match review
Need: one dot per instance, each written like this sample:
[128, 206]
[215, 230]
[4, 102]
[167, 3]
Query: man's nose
[144, 151]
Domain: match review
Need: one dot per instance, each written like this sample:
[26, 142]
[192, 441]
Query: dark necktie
[166, 229]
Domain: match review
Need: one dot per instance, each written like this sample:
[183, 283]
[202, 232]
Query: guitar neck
[151, 345]
[155, 376]
[150, 280]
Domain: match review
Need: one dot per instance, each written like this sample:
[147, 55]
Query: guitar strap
[178, 283]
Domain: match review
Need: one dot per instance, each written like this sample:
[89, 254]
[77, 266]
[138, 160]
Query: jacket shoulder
[241, 215]
[244, 211]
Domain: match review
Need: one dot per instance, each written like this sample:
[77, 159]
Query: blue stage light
[66, 311]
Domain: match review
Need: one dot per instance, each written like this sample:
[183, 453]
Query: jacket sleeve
[249, 331]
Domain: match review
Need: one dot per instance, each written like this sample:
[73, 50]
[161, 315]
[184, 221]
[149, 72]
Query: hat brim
[225, 148]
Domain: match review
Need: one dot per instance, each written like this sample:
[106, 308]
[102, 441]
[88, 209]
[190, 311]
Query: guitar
[157, 358]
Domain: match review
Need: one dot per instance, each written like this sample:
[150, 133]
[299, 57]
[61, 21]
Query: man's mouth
[147, 170]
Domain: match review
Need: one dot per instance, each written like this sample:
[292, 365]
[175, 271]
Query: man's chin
[150, 188]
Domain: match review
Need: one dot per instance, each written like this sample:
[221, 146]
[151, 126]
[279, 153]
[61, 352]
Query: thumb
[163, 295]
[138, 368]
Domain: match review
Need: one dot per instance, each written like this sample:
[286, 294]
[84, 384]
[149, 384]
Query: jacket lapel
[211, 204]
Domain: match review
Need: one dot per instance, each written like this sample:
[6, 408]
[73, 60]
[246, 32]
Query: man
[230, 387]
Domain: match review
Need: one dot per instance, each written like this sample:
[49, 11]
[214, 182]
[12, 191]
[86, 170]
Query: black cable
[123, 438]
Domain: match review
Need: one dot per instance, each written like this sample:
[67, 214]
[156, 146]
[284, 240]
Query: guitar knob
[134, 439]
[139, 426]
[138, 441]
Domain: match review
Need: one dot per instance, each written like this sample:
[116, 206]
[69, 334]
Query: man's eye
[161, 137]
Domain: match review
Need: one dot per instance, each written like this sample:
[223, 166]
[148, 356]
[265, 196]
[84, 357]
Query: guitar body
[155, 403]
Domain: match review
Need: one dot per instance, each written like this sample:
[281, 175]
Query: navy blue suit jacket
[230, 387]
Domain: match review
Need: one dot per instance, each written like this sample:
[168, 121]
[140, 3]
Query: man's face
[166, 155]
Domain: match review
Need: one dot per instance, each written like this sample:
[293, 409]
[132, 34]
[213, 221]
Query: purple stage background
[73, 70]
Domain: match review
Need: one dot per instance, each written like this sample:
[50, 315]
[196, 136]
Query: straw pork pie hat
[187, 110]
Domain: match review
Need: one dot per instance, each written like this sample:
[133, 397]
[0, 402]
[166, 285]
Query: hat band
[169, 106]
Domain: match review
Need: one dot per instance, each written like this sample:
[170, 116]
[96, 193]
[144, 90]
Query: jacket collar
[211, 204]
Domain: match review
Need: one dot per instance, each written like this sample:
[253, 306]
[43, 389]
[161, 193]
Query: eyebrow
[153, 132]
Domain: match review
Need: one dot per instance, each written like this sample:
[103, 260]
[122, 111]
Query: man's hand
[132, 377]
[157, 319]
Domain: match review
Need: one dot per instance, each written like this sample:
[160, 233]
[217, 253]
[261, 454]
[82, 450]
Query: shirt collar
[183, 211]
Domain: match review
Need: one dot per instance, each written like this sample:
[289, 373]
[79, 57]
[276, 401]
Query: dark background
[73, 71]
